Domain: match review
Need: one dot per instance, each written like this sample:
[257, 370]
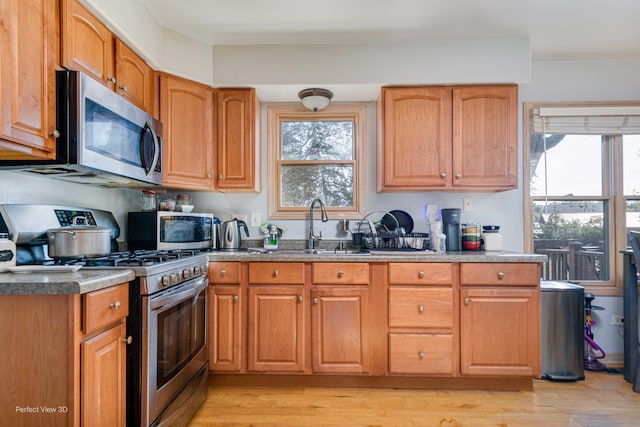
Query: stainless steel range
[167, 361]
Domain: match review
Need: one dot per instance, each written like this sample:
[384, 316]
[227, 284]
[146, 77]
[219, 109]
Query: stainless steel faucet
[323, 213]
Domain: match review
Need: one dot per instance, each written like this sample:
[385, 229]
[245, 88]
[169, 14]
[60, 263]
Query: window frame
[276, 114]
[613, 192]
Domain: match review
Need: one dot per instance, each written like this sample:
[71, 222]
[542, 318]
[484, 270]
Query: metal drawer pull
[55, 133]
[458, 175]
[127, 340]
[316, 300]
[111, 80]
[299, 298]
[500, 275]
[421, 274]
[443, 175]
[223, 273]
[123, 88]
[340, 273]
[235, 298]
[421, 308]
[467, 301]
[115, 306]
[275, 273]
[421, 354]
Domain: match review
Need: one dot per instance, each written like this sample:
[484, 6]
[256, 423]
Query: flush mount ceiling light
[315, 99]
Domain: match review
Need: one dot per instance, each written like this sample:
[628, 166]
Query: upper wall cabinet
[89, 46]
[186, 112]
[237, 127]
[447, 138]
[29, 49]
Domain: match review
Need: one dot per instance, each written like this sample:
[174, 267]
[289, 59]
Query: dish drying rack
[377, 235]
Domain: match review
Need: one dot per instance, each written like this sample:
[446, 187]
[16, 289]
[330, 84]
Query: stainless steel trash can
[562, 313]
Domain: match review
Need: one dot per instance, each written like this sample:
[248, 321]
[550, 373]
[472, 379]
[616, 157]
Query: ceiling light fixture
[315, 99]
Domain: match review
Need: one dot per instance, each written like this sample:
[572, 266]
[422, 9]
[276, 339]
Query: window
[316, 155]
[583, 189]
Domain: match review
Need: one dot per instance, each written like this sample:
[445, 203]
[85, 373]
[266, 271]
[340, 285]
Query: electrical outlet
[617, 320]
[240, 217]
[255, 219]
[467, 204]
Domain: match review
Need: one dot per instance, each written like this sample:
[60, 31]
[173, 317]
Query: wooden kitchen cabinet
[277, 313]
[89, 46]
[226, 308]
[500, 319]
[186, 112]
[447, 138]
[340, 318]
[30, 55]
[70, 358]
[237, 136]
[422, 319]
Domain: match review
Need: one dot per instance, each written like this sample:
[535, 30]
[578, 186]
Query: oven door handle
[193, 289]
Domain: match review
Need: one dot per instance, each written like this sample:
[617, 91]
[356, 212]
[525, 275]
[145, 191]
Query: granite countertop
[80, 282]
[378, 256]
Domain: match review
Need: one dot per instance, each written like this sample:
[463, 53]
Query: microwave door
[149, 149]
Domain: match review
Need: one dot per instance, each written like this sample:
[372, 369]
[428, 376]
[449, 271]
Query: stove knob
[186, 273]
[166, 280]
[196, 270]
[175, 277]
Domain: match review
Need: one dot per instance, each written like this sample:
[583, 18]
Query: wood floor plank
[601, 400]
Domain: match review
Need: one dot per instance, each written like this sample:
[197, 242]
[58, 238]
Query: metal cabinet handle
[209, 176]
[299, 298]
[467, 301]
[421, 308]
[500, 275]
[275, 273]
[421, 354]
[443, 175]
[123, 88]
[115, 306]
[219, 176]
[223, 273]
[235, 298]
[111, 80]
[340, 273]
[421, 274]
[458, 175]
[55, 133]
[127, 340]
[316, 300]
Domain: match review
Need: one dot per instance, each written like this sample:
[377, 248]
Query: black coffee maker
[452, 229]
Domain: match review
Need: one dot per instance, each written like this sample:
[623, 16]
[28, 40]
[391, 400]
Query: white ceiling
[557, 29]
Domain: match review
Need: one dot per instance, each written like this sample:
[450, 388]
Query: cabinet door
[414, 151]
[134, 78]
[87, 44]
[103, 378]
[237, 113]
[27, 79]
[339, 331]
[500, 331]
[225, 347]
[485, 140]
[276, 329]
[186, 112]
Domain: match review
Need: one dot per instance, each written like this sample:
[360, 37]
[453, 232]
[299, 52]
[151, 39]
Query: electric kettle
[231, 237]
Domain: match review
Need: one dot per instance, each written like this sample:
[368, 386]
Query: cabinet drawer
[512, 274]
[420, 307]
[426, 273]
[276, 272]
[224, 272]
[106, 306]
[421, 354]
[341, 273]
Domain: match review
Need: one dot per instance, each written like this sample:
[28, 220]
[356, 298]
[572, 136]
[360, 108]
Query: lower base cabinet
[421, 354]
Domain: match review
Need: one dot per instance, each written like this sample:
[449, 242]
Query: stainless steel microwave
[168, 230]
[103, 138]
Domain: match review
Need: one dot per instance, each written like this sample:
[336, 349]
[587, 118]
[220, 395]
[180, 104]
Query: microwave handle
[149, 137]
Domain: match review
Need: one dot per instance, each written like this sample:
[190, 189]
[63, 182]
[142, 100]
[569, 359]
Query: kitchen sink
[311, 252]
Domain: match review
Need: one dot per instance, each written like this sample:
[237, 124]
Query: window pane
[633, 215]
[573, 165]
[332, 183]
[573, 234]
[317, 140]
[631, 165]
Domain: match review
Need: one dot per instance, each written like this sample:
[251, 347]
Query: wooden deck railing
[573, 263]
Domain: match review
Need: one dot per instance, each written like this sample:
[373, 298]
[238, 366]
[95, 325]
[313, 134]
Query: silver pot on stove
[78, 240]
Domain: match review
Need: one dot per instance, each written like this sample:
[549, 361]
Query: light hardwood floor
[601, 400]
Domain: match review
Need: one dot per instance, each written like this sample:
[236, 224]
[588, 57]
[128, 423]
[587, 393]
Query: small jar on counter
[149, 200]
[7, 252]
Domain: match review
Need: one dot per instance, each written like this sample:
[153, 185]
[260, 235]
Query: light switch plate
[467, 204]
[240, 217]
[255, 219]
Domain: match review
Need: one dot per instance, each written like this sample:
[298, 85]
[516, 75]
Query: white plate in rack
[45, 268]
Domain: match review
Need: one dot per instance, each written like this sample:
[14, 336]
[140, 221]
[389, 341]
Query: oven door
[176, 345]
